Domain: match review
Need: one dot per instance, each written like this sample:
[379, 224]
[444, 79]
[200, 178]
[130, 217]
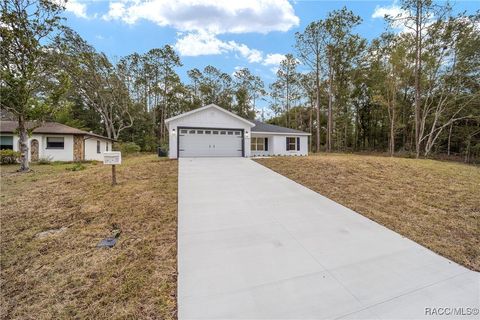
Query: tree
[248, 89]
[452, 67]
[389, 69]
[285, 90]
[417, 16]
[310, 48]
[98, 83]
[341, 49]
[30, 83]
[161, 63]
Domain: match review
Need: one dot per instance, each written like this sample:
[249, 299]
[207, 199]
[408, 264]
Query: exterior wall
[208, 118]
[277, 145]
[91, 148]
[65, 154]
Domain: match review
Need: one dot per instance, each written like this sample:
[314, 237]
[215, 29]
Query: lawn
[436, 204]
[63, 275]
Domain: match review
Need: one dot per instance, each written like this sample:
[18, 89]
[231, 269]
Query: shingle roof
[47, 127]
[265, 127]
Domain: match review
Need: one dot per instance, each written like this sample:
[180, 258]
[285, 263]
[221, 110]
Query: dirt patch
[436, 204]
[64, 275]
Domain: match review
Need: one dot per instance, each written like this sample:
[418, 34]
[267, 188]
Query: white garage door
[196, 142]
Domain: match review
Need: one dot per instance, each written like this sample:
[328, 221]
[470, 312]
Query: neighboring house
[56, 141]
[211, 131]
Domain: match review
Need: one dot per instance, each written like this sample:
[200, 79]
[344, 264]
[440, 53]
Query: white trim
[207, 107]
[282, 133]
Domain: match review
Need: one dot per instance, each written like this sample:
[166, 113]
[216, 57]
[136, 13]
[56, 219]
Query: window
[259, 144]
[223, 132]
[55, 143]
[192, 132]
[215, 132]
[98, 146]
[208, 132]
[237, 133]
[199, 131]
[293, 144]
[106, 146]
[6, 142]
[183, 131]
[230, 133]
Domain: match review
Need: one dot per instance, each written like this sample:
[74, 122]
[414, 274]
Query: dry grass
[64, 275]
[436, 204]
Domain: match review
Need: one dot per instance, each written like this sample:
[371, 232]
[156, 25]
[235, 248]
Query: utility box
[112, 157]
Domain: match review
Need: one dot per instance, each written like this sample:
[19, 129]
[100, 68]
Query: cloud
[252, 55]
[204, 43]
[273, 59]
[116, 11]
[392, 11]
[260, 16]
[77, 8]
[201, 43]
[400, 22]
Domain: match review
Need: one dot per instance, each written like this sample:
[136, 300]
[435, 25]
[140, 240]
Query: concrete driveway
[253, 244]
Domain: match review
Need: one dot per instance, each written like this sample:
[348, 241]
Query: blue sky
[226, 34]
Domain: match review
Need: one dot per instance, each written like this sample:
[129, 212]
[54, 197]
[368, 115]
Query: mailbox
[112, 157]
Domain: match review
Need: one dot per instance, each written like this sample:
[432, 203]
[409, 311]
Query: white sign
[112, 157]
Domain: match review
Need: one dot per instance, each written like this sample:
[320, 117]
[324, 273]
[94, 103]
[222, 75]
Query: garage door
[198, 142]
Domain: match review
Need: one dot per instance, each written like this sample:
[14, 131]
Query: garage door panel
[210, 143]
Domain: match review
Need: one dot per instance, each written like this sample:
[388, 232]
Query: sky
[228, 34]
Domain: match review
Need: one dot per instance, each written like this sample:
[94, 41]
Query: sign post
[113, 158]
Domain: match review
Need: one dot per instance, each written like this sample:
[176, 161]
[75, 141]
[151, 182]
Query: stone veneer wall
[78, 148]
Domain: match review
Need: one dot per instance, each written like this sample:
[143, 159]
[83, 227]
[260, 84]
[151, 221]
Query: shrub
[45, 160]
[163, 150]
[9, 156]
[76, 167]
[128, 148]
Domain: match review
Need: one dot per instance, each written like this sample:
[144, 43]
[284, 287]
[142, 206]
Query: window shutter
[298, 143]
[266, 144]
[286, 139]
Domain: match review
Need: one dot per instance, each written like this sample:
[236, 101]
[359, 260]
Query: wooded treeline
[414, 89]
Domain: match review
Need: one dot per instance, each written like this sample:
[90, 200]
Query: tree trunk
[418, 70]
[330, 102]
[392, 132]
[310, 125]
[288, 106]
[317, 105]
[23, 144]
[449, 139]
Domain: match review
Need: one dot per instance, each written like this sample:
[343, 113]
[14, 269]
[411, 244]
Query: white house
[56, 142]
[211, 131]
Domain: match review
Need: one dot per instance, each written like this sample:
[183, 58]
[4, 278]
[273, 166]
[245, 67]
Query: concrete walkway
[253, 244]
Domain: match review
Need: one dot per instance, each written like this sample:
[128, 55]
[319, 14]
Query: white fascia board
[282, 133]
[208, 107]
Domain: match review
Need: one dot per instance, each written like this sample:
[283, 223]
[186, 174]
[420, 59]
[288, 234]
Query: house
[56, 142]
[211, 131]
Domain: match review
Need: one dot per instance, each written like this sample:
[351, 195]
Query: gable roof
[48, 127]
[209, 107]
[261, 127]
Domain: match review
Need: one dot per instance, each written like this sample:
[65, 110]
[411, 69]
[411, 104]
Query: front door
[34, 150]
